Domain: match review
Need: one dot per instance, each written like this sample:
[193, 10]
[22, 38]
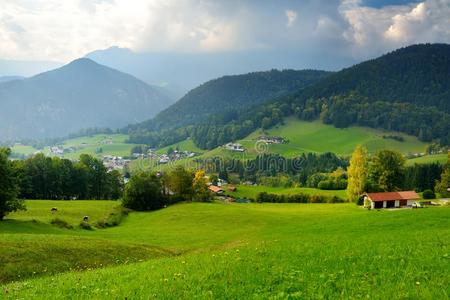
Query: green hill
[303, 137]
[237, 250]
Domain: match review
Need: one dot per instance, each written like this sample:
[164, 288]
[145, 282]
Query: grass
[427, 159]
[250, 192]
[317, 137]
[251, 251]
[70, 211]
[87, 145]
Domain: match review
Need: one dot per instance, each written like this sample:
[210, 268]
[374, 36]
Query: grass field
[317, 137]
[440, 158]
[87, 145]
[250, 192]
[233, 251]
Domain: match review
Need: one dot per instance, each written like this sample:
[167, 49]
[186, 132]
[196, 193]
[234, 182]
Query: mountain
[10, 78]
[181, 72]
[418, 74]
[407, 90]
[78, 95]
[232, 93]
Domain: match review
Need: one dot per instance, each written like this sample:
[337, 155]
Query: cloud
[291, 16]
[64, 30]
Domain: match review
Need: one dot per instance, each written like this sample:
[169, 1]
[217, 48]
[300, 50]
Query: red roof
[390, 196]
[215, 189]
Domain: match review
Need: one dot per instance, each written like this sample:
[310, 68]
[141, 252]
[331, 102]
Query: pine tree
[357, 174]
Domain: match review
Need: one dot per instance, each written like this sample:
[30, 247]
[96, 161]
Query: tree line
[42, 177]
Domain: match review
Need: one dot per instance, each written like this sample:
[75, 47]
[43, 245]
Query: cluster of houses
[165, 158]
[271, 139]
[115, 162]
[60, 150]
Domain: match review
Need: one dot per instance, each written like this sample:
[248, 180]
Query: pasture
[250, 191]
[257, 251]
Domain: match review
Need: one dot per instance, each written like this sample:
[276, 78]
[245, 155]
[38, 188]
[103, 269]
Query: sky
[61, 31]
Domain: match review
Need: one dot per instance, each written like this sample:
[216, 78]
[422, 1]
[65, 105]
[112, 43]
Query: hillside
[237, 250]
[304, 137]
[418, 74]
[78, 95]
[222, 98]
[405, 91]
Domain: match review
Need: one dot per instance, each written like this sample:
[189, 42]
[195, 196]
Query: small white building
[235, 147]
[391, 199]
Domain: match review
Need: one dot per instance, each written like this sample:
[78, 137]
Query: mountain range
[407, 90]
[78, 95]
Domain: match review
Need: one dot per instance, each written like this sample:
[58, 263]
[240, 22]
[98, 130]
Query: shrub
[61, 223]
[85, 225]
[114, 218]
[429, 194]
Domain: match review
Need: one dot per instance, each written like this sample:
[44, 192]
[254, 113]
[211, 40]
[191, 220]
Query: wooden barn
[391, 199]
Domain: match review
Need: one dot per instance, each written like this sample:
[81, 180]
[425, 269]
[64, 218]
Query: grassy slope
[32, 247]
[318, 137]
[268, 250]
[87, 145]
[303, 137]
[250, 192]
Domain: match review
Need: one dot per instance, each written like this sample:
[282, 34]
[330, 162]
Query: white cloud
[64, 30]
[375, 30]
[291, 16]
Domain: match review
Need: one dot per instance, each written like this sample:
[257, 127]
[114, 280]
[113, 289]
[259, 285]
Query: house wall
[397, 203]
[410, 202]
[384, 204]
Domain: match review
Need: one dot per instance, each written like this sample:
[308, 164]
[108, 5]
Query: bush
[61, 223]
[297, 198]
[114, 218]
[144, 192]
[85, 225]
[428, 194]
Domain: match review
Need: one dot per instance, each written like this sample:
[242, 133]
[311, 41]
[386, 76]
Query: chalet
[215, 189]
[391, 199]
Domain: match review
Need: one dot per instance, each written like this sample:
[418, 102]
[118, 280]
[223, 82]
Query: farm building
[391, 199]
[215, 189]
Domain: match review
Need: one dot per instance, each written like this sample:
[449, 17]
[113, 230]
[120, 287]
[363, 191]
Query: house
[215, 189]
[391, 199]
[235, 147]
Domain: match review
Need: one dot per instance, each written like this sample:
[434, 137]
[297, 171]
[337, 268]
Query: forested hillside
[224, 97]
[407, 90]
[418, 74]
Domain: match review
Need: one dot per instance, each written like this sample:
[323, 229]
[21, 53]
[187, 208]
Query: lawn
[250, 192]
[238, 251]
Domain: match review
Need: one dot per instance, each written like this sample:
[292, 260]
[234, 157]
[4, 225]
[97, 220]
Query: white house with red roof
[391, 199]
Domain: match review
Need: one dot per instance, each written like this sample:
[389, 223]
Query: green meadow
[317, 137]
[250, 191]
[96, 145]
[233, 251]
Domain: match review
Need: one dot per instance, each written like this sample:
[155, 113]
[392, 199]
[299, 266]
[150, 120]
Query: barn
[391, 199]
